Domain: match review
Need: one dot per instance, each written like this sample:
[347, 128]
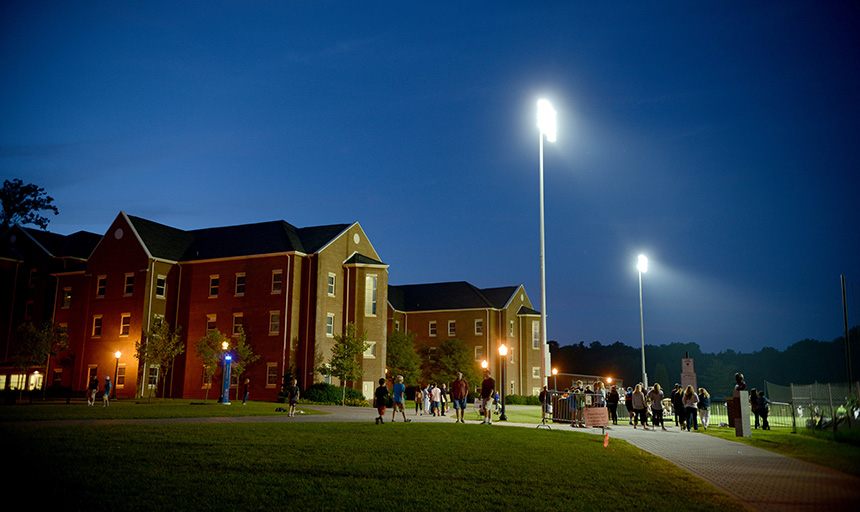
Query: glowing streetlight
[503, 352]
[642, 265]
[225, 385]
[555, 379]
[546, 121]
[117, 355]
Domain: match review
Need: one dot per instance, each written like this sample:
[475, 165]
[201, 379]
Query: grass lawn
[341, 466]
[841, 456]
[142, 409]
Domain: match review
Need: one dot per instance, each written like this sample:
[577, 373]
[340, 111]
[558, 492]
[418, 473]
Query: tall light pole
[642, 265]
[503, 352]
[546, 120]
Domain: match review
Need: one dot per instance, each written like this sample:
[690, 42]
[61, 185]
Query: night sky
[720, 139]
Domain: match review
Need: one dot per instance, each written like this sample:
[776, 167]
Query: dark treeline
[803, 362]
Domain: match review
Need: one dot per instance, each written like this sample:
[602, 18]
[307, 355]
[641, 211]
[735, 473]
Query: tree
[159, 347]
[401, 358]
[345, 362]
[35, 347]
[452, 356]
[22, 204]
[244, 356]
[209, 349]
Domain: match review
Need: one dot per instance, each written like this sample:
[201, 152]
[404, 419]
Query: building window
[120, 376]
[274, 322]
[479, 327]
[512, 328]
[536, 335]
[511, 355]
[331, 283]
[32, 280]
[128, 288]
[535, 372]
[28, 310]
[92, 372]
[97, 326]
[397, 326]
[370, 351]
[213, 286]
[57, 378]
[207, 379]
[432, 328]
[370, 296]
[240, 284]
[101, 286]
[67, 297]
[277, 281]
[452, 327]
[271, 375]
[431, 354]
[329, 325]
[152, 376]
[210, 322]
[125, 324]
[237, 323]
[160, 286]
[479, 353]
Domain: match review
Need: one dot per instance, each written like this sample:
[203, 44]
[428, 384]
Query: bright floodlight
[503, 350]
[118, 354]
[643, 264]
[546, 120]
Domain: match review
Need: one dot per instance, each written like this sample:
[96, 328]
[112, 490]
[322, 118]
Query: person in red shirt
[459, 392]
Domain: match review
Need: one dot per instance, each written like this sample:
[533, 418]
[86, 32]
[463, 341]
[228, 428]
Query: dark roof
[76, 245]
[231, 241]
[446, 296]
[362, 259]
[527, 311]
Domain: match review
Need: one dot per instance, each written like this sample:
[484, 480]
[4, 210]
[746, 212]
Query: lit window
[67, 297]
[479, 327]
[125, 324]
[210, 322]
[370, 351]
[97, 326]
[432, 328]
[101, 285]
[452, 327]
[277, 281]
[120, 376]
[370, 296]
[240, 284]
[274, 322]
[536, 335]
[128, 289]
[213, 285]
[160, 286]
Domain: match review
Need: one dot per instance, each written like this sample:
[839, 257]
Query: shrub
[322, 393]
[522, 400]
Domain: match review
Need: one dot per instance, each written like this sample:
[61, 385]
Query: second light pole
[642, 265]
[546, 118]
[503, 352]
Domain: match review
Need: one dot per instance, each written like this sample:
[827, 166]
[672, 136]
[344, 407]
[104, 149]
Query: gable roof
[231, 241]
[77, 245]
[447, 296]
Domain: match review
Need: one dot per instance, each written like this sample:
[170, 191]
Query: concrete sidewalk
[757, 478]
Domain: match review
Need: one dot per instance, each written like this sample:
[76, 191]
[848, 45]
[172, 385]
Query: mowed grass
[341, 466]
[840, 456]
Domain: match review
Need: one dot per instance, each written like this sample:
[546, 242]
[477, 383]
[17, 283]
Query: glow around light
[484, 364]
[118, 354]
[643, 264]
[555, 371]
[547, 120]
[503, 350]
[225, 345]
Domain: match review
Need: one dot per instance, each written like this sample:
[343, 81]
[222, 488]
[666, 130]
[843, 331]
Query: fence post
[832, 414]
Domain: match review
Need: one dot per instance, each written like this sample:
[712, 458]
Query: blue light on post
[225, 387]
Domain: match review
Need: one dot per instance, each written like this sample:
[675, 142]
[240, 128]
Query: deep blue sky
[720, 139]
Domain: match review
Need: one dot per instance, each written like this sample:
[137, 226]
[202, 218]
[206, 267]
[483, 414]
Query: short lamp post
[225, 386]
[555, 379]
[117, 355]
[503, 352]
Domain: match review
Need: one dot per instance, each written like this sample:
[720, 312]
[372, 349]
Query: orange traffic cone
[606, 441]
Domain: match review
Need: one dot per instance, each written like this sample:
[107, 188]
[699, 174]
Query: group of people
[93, 390]
[760, 406]
[432, 399]
[688, 406]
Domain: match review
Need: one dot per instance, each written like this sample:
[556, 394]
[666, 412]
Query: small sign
[596, 416]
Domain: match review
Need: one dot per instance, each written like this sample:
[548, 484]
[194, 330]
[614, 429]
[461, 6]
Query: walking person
[436, 400]
[398, 392]
[656, 397]
[247, 390]
[612, 403]
[425, 397]
[691, 402]
[459, 392]
[93, 390]
[639, 410]
[677, 405]
[628, 404]
[704, 407]
[293, 396]
[488, 388]
[419, 400]
[106, 393]
[763, 409]
[444, 403]
[381, 396]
